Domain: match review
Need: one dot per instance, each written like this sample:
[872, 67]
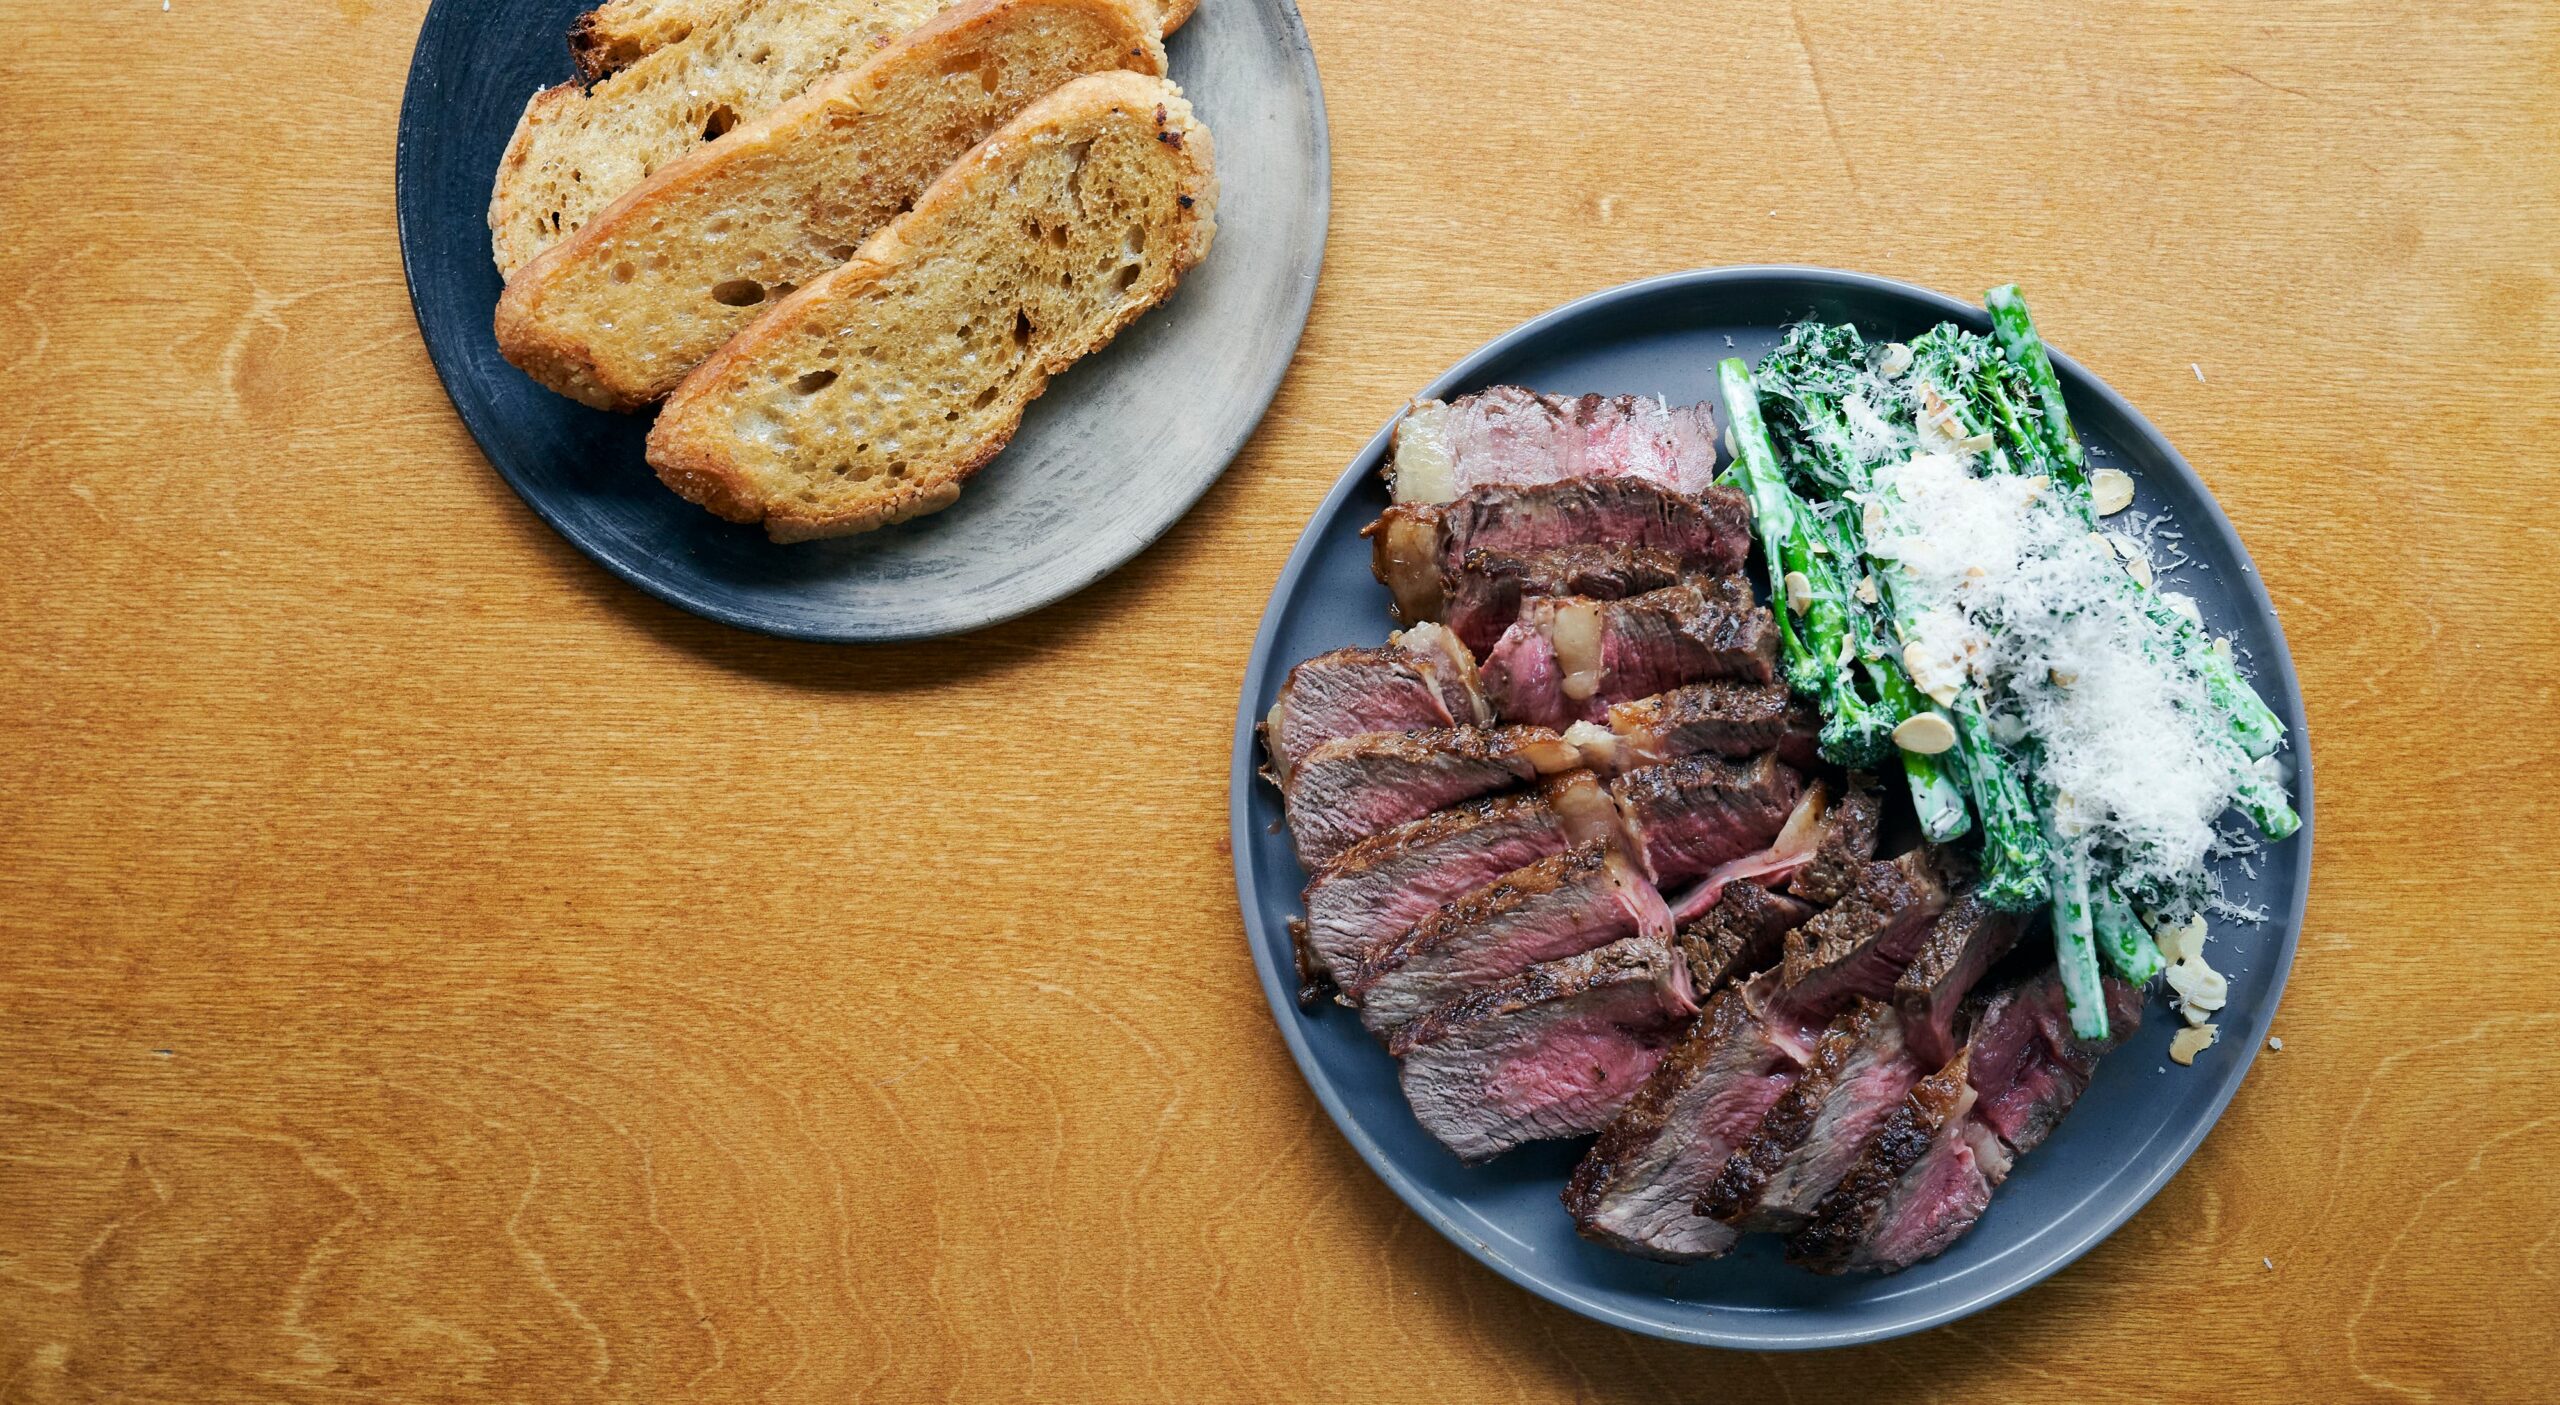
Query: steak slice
[1483, 596]
[1422, 678]
[1638, 1188]
[1847, 845]
[2021, 1069]
[1859, 945]
[1556, 1051]
[1861, 1070]
[1720, 718]
[1743, 933]
[1568, 658]
[1962, 944]
[2026, 1064]
[1384, 884]
[1417, 548]
[1831, 1241]
[1685, 817]
[1560, 906]
[1349, 788]
[1509, 435]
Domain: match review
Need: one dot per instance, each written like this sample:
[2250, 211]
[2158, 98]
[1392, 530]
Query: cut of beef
[1859, 945]
[1423, 677]
[1831, 1241]
[1716, 719]
[1962, 944]
[1419, 549]
[1742, 934]
[1846, 845]
[1568, 658]
[1510, 436]
[2026, 1064]
[1860, 1072]
[1685, 817]
[1483, 597]
[2021, 1071]
[1560, 906]
[1637, 1190]
[1384, 884]
[1347, 789]
[1799, 840]
[1556, 1051]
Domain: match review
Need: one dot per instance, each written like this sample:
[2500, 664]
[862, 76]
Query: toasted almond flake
[1871, 517]
[2179, 940]
[2184, 604]
[1897, 359]
[2125, 548]
[2222, 649]
[1799, 593]
[1924, 734]
[1867, 589]
[2062, 677]
[2110, 491]
[2189, 1042]
[1974, 443]
[2140, 569]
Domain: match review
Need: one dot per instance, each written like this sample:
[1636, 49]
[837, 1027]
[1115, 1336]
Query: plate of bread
[862, 320]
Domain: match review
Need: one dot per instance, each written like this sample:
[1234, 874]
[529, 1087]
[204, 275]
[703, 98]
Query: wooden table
[435, 971]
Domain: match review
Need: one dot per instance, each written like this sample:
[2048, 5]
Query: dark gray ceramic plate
[1114, 454]
[2140, 1119]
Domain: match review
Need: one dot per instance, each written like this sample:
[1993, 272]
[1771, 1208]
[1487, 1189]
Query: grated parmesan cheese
[2014, 592]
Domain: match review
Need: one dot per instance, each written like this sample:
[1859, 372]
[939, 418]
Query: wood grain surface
[436, 972]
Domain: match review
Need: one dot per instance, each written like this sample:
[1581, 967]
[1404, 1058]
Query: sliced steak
[1739, 936]
[1846, 846]
[1421, 678]
[1417, 549]
[1555, 1051]
[1861, 1070]
[1685, 817]
[1568, 658]
[1483, 596]
[1962, 944]
[2022, 1070]
[1384, 884]
[1860, 945]
[1347, 789]
[1638, 1188]
[1717, 719]
[1560, 906]
[1831, 1241]
[2026, 1064]
[1507, 435]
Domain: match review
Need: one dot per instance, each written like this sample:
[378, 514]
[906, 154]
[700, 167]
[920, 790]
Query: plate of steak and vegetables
[1772, 807]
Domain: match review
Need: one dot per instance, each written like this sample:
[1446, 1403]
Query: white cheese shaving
[2013, 591]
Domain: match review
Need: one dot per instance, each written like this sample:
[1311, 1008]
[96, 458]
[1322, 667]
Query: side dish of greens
[1952, 601]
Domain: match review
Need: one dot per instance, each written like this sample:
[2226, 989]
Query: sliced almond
[1925, 734]
[2110, 491]
[1896, 360]
[2140, 569]
[1974, 443]
[1867, 589]
[1799, 593]
[1871, 516]
[2062, 677]
[2187, 1043]
[2184, 604]
[2222, 649]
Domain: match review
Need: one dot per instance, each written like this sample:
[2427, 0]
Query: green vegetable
[1816, 645]
[2074, 942]
[2121, 939]
[2257, 729]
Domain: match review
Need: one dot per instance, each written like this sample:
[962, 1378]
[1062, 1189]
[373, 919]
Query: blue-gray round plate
[2142, 1116]
[1121, 446]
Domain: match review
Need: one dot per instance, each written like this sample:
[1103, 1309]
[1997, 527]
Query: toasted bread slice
[576, 149]
[617, 313]
[868, 396]
[616, 33]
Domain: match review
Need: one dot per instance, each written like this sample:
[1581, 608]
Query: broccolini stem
[2253, 724]
[2074, 942]
[2014, 851]
[2121, 940]
[1817, 647]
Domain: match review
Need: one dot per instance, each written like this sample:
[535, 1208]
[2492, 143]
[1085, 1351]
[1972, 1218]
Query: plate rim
[1279, 987]
[411, 220]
